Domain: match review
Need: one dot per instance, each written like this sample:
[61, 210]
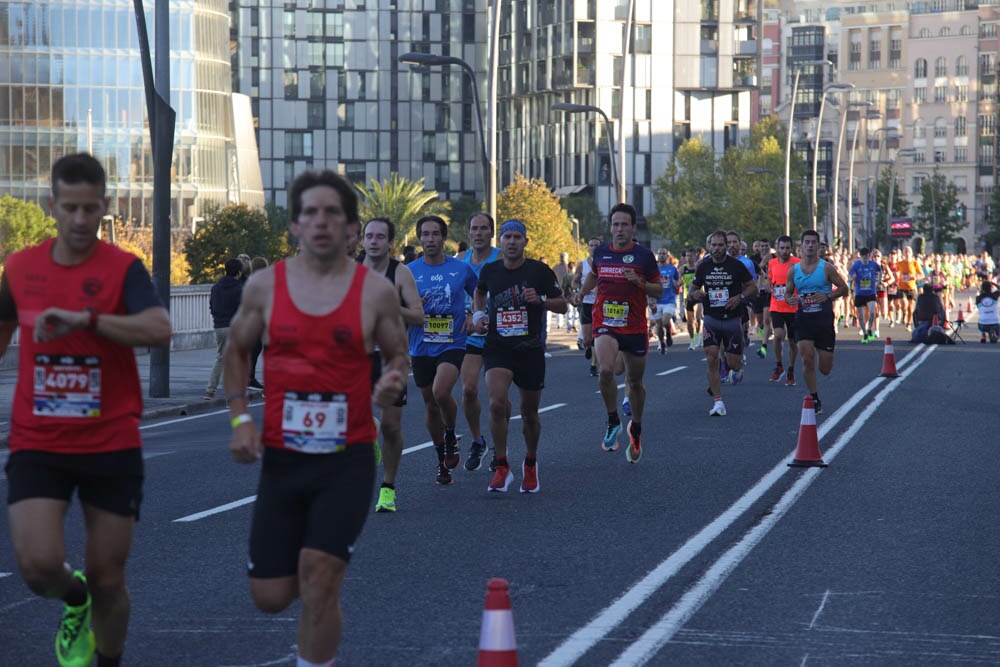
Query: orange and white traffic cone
[497, 647]
[961, 318]
[889, 361]
[807, 450]
[968, 306]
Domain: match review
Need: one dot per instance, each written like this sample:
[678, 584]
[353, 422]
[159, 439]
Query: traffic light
[960, 211]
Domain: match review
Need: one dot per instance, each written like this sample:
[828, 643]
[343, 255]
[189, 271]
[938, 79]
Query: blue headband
[514, 225]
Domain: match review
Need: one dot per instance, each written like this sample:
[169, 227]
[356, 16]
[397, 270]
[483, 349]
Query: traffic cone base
[497, 647]
[889, 361]
[807, 449]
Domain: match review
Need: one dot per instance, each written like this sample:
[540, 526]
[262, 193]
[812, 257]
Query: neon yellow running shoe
[386, 500]
[75, 644]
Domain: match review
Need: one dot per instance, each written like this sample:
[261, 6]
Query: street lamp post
[870, 202]
[836, 162]
[788, 138]
[819, 131]
[850, 176]
[933, 187]
[489, 161]
[892, 190]
[566, 107]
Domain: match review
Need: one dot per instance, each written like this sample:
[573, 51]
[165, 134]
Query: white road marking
[612, 616]
[645, 648]
[822, 604]
[671, 371]
[5, 574]
[246, 501]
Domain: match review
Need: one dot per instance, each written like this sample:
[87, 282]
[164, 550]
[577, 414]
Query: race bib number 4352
[67, 386]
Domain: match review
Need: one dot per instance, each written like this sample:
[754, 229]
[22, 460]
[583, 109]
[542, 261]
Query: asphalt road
[709, 551]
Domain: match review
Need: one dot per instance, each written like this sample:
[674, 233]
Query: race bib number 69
[314, 423]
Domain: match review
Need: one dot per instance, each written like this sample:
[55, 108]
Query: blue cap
[514, 225]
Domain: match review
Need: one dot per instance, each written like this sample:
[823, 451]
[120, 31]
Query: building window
[892, 97]
[962, 93]
[941, 67]
[961, 154]
[920, 69]
[940, 94]
[919, 157]
[939, 156]
[291, 85]
[919, 95]
[961, 66]
[988, 30]
[317, 115]
[919, 132]
[940, 129]
[298, 145]
[961, 126]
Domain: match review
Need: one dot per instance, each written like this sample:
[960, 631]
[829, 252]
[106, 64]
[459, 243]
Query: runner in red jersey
[782, 314]
[82, 305]
[320, 314]
[625, 274]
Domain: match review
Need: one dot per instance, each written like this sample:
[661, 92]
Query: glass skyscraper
[70, 80]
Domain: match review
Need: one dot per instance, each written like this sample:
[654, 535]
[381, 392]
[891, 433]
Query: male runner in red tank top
[320, 314]
[82, 305]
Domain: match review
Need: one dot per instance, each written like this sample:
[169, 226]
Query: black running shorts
[635, 344]
[528, 366]
[315, 501]
[586, 313]
[425, 368]
[786, 321]
[111, 481]
[818, 330]
[726, 334]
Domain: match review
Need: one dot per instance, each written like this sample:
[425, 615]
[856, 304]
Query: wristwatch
[543, 297]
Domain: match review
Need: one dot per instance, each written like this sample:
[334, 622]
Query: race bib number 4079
[67, 386]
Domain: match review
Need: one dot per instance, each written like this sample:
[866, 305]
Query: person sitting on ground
[928, 307]
[989, 319]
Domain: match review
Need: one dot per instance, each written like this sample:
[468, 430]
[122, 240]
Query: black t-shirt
[721, 282]
[514, 323]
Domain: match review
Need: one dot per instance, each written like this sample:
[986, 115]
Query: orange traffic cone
[961, 318]
[807, 451]
[968, 306]
[497, 647]
[935, 322]
[889, 361]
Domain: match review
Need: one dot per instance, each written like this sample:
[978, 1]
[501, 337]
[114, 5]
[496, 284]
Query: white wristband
[479, 315]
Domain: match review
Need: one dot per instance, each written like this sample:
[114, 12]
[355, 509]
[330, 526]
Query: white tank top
[590, 296]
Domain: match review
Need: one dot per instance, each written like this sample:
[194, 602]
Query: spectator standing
[223, 304]
[989, 319]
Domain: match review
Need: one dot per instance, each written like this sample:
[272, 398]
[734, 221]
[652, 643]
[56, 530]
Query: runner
[907, 272]
[692, 309]
[481, 230]
[666, 305]
[782, 314]
[809, 287]
[438, 348]
[585, 302]
[511, 300]
[320, 315]
[864, 275]
[624, 274]
[725, 284]
[762, 302]
[82, 305]
[378, 238]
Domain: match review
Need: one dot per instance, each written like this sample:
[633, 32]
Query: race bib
[866, 284]
[717, 298]
[67, 386]
[438, 329]
[314, 423]
[512, 322]
[905, 277]
[807, 305]
[778, 292]
[615, 313]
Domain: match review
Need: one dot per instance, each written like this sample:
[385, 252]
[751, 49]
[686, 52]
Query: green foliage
[549, 228]
[900, 205]
[592, 223]
[688, 197]
[22, 224]
[936, 212]
[461, 210]
[227, 232]
[279, 218]
[403, 202]
[992, 237]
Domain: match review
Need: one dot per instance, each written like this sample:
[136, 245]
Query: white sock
[302, 662]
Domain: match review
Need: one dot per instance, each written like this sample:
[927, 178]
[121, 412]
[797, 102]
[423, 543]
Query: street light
[566, 107]
[819, 130]
[869, 201]
[850, 175]
[764, 170]
[933, 187]
[836, 162]
[791, 124]
[489, 162]
[892, 190]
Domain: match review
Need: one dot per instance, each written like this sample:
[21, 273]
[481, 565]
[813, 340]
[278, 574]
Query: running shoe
[444, 475]
[718, 410]
[760, 332]
[530, 482]
[735, 377]
[452, 457]
[790, 378]
[692, 346]
[75, 644]
[634, 450]
[699, 340]
[493, 463]
[778, 375]
[627, 407]
[475, 461]
[876, 335]
[762, 351]
[501, 480]
[593, 371]
[670, 337]
[588, 353]
[386, 500]
[661, 348]
[818, 406]
[610, 443]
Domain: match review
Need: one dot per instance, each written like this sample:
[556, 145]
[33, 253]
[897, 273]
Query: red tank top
[79, 394]
[777, 272]
[317, 373]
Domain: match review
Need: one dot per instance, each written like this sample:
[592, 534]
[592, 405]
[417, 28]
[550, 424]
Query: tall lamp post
[566, 107]
[892, 190]
[489, 162]
[869, 200]
[850, 176]
[836, 162]
[933, 187]
[819, 131]
[791, 125]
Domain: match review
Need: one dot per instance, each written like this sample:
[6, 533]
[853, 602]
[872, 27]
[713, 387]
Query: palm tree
[403, 202]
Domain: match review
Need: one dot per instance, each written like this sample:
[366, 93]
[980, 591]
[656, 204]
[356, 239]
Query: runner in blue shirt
[864, 276]
[438, 347]
[666, 305]
[479, 254]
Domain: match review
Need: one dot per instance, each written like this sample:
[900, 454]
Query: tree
[139, 242]
[549, 228]
[689, 196]
[403, 202]
[992, 237]
[461, 210]
[935, 219]
[22, 224]
[227, 232]
[900, 205]
[592, 222]
[279, 219]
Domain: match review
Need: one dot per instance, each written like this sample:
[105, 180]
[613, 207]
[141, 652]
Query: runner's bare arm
[413, 311]
[150, 327]
[837, 279]
[7, 330]
[790, 297]
[245, 330]
[390, 335]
